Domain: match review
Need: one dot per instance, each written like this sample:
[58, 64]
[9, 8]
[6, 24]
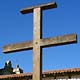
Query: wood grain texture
[37, 57]
[46, 42]
[43, 7]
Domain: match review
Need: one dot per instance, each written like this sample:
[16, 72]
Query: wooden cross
[37, 42]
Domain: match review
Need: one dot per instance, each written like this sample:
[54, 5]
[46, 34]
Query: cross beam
[43, 7]
[55, 41]
[38, 42]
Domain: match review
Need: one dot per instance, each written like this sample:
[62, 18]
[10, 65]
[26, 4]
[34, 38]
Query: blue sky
[15, 27]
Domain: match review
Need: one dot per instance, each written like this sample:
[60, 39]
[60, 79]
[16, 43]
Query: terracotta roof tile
[62, 71]
[44, 73]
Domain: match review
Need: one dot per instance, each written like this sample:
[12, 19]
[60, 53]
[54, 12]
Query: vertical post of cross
[37, 55]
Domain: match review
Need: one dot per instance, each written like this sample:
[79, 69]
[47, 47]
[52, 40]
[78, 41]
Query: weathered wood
[37, 72]
[60, 40]
[37, 42]
[43, 7]
[18, 47]
[46, 42]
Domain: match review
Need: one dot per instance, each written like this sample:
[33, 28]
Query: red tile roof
[73, 70]
[62, 71]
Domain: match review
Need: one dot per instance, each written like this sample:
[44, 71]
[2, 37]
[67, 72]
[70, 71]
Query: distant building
[17, 70]
[8, 69]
